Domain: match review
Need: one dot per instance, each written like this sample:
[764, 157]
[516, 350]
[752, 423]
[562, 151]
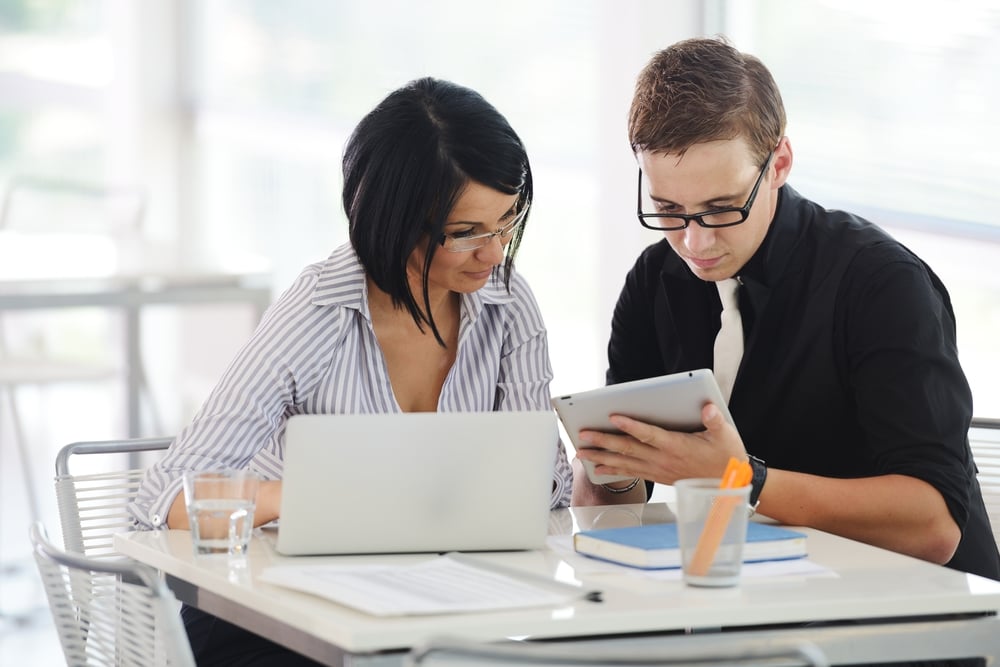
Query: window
[892, 115]
[56, 74]
[279, 89]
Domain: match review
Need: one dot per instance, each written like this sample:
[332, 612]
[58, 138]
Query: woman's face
[479, 210]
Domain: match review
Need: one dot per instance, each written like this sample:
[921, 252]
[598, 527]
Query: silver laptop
[416, 482]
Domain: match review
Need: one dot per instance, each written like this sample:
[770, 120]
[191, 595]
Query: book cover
[655, 546]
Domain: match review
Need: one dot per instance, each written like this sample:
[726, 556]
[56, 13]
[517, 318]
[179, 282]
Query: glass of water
[220, 506]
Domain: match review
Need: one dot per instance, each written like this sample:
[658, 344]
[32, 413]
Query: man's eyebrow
[706, 202]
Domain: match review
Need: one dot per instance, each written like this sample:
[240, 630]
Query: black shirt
[850, 366]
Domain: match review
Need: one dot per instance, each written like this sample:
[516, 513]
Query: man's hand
[650, 452]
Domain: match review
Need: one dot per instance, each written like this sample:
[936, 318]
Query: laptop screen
[417, 482]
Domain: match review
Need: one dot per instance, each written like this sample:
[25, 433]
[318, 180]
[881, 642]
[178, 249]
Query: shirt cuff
[160, 508]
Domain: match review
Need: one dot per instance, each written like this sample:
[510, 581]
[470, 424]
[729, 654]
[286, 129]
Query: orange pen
[736, 474]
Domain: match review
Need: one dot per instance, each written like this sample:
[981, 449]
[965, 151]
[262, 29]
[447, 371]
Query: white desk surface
[175, 284]
[869, 583]
[65, 270]
[41, 275]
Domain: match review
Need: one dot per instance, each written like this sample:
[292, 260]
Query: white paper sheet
[446, 584]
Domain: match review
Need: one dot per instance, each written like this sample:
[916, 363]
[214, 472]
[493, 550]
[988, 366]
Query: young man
[849, 398]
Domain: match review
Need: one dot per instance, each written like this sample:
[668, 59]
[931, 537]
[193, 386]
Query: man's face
[714, 175]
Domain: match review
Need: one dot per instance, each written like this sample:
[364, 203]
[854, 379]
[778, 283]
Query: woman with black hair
[421, 311]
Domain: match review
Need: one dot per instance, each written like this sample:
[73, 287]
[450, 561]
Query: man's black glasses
[720, 217]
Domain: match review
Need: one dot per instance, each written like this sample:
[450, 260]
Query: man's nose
[697, 239]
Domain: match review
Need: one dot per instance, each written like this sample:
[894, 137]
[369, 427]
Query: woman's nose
[492, 252]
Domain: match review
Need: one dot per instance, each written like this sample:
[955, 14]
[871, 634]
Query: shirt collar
[769, 263]
[342, 281]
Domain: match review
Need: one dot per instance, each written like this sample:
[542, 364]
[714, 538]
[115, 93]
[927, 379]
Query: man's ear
[781, 162]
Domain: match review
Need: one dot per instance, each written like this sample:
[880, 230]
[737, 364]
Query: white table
[156, 283]
[911, 609]
[125, 279]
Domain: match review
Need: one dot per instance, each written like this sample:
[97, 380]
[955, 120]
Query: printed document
[446, 584]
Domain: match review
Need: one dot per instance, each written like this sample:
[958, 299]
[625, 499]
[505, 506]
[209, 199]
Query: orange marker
[737, 474]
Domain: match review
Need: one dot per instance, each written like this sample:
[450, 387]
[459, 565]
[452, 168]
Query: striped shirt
[315, 352]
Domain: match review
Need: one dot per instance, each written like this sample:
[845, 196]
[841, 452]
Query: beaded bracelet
[625, 489]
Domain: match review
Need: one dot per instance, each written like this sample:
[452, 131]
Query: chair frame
[89, 597]
[984, 440]
[93, 507]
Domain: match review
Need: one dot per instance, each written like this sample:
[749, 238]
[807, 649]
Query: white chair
[116, 613]
[46, 226]
[984, 439]
[697, 650]
[94, 506]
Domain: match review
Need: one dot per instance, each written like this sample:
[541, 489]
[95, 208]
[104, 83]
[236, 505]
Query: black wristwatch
[757, 481]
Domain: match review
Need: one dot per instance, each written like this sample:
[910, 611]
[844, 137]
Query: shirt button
[156, 520]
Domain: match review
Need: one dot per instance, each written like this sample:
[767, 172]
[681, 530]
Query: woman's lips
[479, 275]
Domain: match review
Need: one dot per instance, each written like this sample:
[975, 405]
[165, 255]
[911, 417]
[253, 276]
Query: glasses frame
[505, 233]
[686, 218]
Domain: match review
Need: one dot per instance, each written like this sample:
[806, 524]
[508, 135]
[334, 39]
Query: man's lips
[706, 263]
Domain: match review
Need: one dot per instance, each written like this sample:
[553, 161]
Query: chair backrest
[718, 650]
[94, 506]
[110, 612]
[984, 439]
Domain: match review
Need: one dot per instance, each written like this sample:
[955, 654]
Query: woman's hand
[267, 509]
[268, 502]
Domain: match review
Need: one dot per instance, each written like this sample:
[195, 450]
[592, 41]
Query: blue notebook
[655, 546]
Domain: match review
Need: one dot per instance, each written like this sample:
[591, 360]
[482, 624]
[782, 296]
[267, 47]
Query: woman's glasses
[465, 241]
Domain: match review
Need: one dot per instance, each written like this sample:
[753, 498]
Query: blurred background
[227, 119]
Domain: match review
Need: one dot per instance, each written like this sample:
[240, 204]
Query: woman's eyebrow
[511, 212]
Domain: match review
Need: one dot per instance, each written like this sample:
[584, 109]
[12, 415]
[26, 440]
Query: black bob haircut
[406, 164]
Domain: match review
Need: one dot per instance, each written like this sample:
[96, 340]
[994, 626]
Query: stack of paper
[446, 584]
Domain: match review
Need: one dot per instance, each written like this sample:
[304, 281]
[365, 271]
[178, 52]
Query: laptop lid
[416, 482]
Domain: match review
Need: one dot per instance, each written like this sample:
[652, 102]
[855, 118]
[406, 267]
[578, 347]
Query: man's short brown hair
[701, 90]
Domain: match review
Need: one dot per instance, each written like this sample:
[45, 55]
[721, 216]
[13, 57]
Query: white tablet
[671, 401]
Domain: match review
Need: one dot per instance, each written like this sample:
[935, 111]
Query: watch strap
[759, 469]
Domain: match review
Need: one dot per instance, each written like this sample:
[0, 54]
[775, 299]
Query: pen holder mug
[711, 529]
